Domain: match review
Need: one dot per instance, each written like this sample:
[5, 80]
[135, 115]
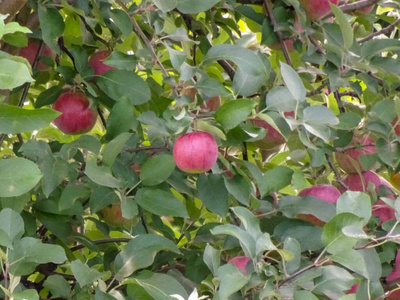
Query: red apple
[349, 160]
[212, 104]
[326, 192]
[355, 183]
[113, 215]
[77, 117]
[189, 91]
[96, 62]
[393, 295]
[240, 262]
[29, 52]
[195, 152]
[272, 138]
[396, 127]
[317, 9]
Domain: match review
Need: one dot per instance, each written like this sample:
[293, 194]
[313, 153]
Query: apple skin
[29, 52]
[195, 152]
[240, 262]
[394, 275]
[353, 289]
[326, 192]
[379, 209]
[77, 117]
[317, 9]
[212, 104]
[113, 216]
[347, 159]
[273, 138]
[96, 62]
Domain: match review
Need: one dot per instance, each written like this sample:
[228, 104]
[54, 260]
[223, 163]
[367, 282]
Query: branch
[316, 44]
[103, 241]
[11, 7]
[339, 101]
[382, 31]
[337, 176]
[90, 30]
[144, 38]
[268, 6]
[317, 91]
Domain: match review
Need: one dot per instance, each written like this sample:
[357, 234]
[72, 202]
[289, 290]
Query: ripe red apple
[326, 192]
[77, 117]
[273, 138]
[29, 52]
[212, 104]
[355, 183]
[113, 215]
[349, 160]
[240, 262]
[317, 9]
[96, 62]
[195, 152]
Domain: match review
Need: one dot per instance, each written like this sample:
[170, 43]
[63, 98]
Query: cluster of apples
[77, 115]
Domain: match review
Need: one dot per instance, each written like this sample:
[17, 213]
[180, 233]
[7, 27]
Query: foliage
[326, 81]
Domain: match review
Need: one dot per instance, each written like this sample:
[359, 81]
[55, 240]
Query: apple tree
[187, 149]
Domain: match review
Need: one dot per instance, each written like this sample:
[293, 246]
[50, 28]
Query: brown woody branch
[385, 30]
[268, 6]
[11, 7]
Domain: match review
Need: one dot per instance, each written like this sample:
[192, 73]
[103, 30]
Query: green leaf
[177, 57]
[157, 169]
[239, 187]
[165, 5]
[87, 142]
[48, 96]
[232, 280]
[121, 119]
[13, 74]
[249, 221]
[246, 84]
[12, 27]
[121, 61]
[52, 25]
[345, 26]
[58, 286]
[140, 252]
[84, 274]
[120, 83]
[209, 87]
[377, 46]
[293, 82]
[12, 224]
[304, 295]
[122, 20]
[293, 247]
[248, 61]
[14, 119]
[247, 242]
[27, 294]
[332, 236]
[17, 176]
[194, 6]
[99, 295]
[275, 180]
[101, 197]
[114, 147]
[356, 203]
[333, 280]
[319, 115]
[213, 194]
[348, 121]
[29, 252]
[281, 99]
[291, 206]
[211, 258]
[160, 202]
[160, 286]
[232, 113]
[101, 175]
[71, 193]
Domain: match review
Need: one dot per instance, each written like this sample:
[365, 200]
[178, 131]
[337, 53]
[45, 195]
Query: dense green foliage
[335, 78]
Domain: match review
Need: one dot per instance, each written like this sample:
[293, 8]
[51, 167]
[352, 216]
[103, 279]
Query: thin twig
[339, 101]
[94, 35]
[337, 176]
[344, 149]
[145, 39]
[268, 6]
[352, 6]
[103, 120]
[316, 44]
[102, 241]
[318, 90]
[382, 31]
